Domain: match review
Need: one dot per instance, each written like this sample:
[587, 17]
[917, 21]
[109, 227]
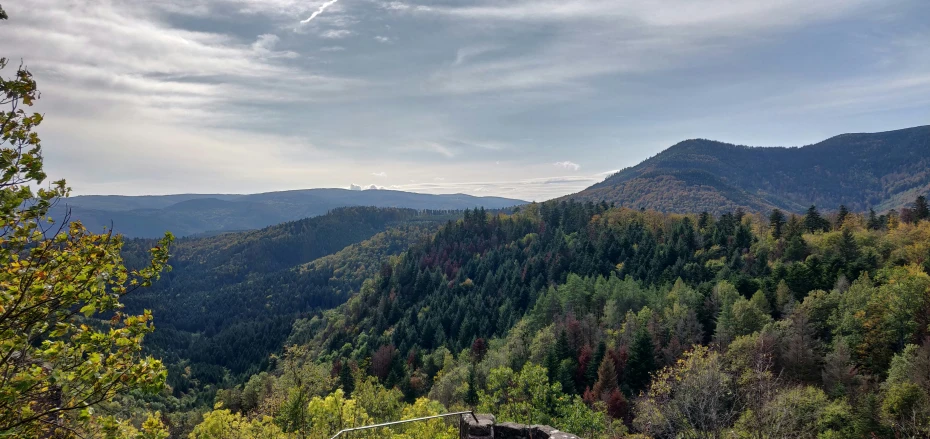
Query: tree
[841, 217]
[777, 223]
[813, 221]
[796, 249]
[641, 362]
[606, 379]
[873, 223]
[65, 344]
[800, 412]
[921, 210]
[693, 398]
[346, 380]
[478, 350]
[222, 423]
[848, 248]
[839, 375]
[907, 391]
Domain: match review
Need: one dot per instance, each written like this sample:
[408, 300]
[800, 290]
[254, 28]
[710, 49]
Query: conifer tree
[921, 210]
[841, 217]
[642, 361]
[777, 223]
[849, 250]
[346, 380]
[873, 223]
[606, 379]
[814, 222]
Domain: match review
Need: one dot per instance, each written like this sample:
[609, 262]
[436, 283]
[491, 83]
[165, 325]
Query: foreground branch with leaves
[65, 344]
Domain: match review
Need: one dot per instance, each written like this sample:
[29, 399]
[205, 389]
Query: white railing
[387, 424]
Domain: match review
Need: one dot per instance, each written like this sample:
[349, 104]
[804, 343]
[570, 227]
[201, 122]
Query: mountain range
[151, 216]
[881, 171]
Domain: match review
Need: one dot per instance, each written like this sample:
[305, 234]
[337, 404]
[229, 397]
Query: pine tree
[795, 227]
[471, 397]
[841, 216]
[593, 371]
[796, 249]
[849, 250]
[346, 380]
[813, 221]
[873, 223]
[703, 220]
[606, 378]
[642, 361]
[921, 210]
[777, 223]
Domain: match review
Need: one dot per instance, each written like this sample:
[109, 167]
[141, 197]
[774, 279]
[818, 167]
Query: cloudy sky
[529, 99]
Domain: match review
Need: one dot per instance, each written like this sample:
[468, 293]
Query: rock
[486, 428]
[481, 429]
[510, 430]
[541, 431]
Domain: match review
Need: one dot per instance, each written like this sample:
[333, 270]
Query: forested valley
[602, 320]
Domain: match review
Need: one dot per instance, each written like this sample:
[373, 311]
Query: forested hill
[191, 214]
[231, 299]
[609, 321]
[879, 170]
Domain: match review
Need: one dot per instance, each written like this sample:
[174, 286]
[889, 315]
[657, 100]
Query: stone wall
[487, 428]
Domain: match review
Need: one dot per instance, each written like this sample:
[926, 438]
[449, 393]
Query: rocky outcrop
[486, 427]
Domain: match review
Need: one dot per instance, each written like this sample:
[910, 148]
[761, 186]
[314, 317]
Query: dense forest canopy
[231, 300]
[611, 322]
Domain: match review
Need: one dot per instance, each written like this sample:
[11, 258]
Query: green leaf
[88, 310]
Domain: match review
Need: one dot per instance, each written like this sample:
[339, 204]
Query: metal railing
[387, 424]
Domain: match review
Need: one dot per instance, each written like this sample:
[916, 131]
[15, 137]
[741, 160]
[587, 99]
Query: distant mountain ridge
[192, 214]
[868, 170]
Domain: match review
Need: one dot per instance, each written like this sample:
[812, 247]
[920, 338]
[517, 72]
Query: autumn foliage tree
[65, 344]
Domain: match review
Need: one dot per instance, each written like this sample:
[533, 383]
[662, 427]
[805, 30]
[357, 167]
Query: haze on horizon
[527, 99]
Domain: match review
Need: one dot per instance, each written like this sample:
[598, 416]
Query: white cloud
[379, 174]
[354, 187]
[397, 6]
[334, 34]
[374, 187]
[568, 165]
[382, 39]
[265, 45]
[129, 86]
[121, 58]
[594, 38]
[466, 53]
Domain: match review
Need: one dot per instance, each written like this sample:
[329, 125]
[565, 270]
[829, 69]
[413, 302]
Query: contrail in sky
[319, 11]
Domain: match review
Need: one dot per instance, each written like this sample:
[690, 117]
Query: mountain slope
[231, 299]
[876, 170]
[191, 214]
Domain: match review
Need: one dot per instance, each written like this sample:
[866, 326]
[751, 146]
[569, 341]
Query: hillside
[878, 170]
[192, 214]
[231, 299]
[564, 308]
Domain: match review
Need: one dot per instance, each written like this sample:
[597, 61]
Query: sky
[528, 99]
